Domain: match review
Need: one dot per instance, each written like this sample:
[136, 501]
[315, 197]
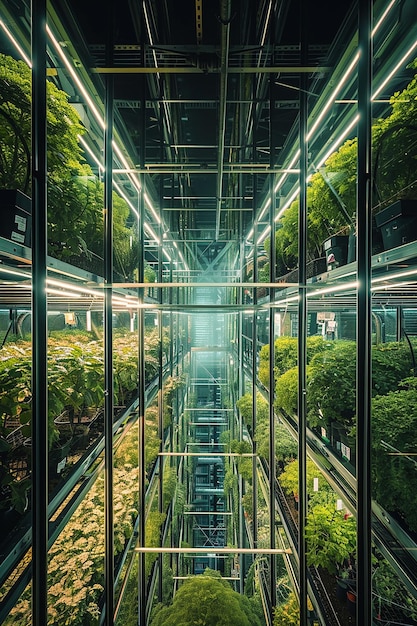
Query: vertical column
[302, 320]
[161, 426]
[108, 328]
[254, 329]
[272, 278]
[39, 312]
[254, 422]
[141, 355]
[363, 384]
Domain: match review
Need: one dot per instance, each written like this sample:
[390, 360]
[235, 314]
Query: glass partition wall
[185, 398]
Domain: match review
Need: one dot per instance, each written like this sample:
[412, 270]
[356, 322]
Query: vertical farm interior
[208, 315]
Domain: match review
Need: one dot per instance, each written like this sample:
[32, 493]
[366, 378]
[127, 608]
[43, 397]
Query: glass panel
[161, 287]
[393, 360]
[16, 392]
[77, 349]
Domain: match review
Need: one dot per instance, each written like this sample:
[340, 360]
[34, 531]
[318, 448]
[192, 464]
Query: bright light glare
[80, 86]
[16, 44]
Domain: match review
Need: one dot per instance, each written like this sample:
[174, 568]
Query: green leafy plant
[393, 436]
[75, 195]
[209, 600]
[330, 536]
[75, 571]
[394, 155]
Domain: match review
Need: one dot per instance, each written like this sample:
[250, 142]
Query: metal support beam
[225, 16]
[39, 309]
[302, 325]
[141, 365]
[276, 69]
[272, 276]
[364, 324]
[108, 333]
[215, 550]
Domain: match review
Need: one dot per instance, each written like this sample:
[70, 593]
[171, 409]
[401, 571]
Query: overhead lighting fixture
[393, 276]
[264, 234]
[337, 142]
[16, 44]
[61, 292]
[330, 101]
[78, 82]
[72, 287]
[395, 69]
[333, 289]
[5, 270]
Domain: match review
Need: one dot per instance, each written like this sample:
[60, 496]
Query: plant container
[336, 251]
[16, 216]
[398, 223]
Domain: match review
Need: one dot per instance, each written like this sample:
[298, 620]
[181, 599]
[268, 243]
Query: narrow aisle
[209, 520]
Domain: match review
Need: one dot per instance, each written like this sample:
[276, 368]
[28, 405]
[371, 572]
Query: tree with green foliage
[286, 391]
[288, 612]
[289, 478]
[394, 442]
[243, 463]
[75, 195]
[330, 536]
[285, 444]
[286, 355]
[331, 192]
[245, 406]
[331, 384]
[207, 600]
[391, 363]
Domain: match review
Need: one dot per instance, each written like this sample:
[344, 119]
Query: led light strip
[99, 118]
[337, 142]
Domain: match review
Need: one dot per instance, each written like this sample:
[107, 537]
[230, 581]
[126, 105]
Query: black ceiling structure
[206, 99]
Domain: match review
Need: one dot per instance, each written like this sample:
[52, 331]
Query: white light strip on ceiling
[337, 142]
[16, 44]
[60, 292]
[264, 234]
[119, 189]
[288, 202]
[394, 70]
[117, 150]
[74, 75]
[328, 104]
[334, 289]
[91, 153]
[395, 275]
[333, 96]
[15, 272]
[83, 290]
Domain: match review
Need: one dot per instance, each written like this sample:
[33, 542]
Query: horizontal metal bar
[201, 210]
[193, 576]
[226, 309]
[186, 169]
[211, 423]
[205, 454]
[215, 550]
[218, 513]
[170, 197]
[210, 410]
[277, 69]
[198, 443]
[173, 285]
